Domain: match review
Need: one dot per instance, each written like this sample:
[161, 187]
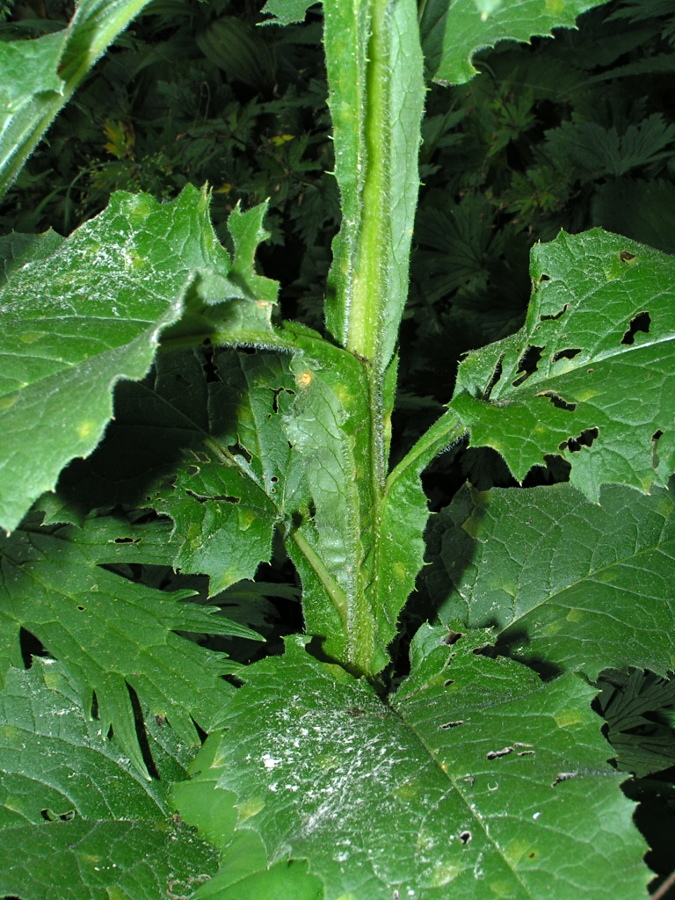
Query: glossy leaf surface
[478, 779]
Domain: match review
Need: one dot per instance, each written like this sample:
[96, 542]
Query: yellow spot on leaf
[304, 379]
[250, 807]
[85, 429]
[9, 400]
[567, 717]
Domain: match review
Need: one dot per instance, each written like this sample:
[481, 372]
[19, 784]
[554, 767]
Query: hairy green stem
[369, 278]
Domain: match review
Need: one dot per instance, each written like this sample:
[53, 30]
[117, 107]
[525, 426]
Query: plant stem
[369, 278]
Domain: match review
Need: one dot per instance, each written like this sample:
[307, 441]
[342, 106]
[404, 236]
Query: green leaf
[105, 296]
[404, 515]
[112, 860]
[453, 31]
[561, 579]
[246, 442]
[110, 632]
[227, 493]
[478, 779]
[286, 11]
[38, 77]
[77, 820]
[590, 375]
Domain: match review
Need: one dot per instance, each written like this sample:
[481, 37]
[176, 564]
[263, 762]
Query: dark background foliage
[572, 132]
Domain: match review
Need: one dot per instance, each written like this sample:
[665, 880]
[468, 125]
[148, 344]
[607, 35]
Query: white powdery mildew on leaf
[478, 780]
[336, 777]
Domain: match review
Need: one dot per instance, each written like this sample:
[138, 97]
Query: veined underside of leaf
[477, 781]
[77, 820]
[590, 376]
[561, 579]
[453, 30]
[78, 319]
[111, 633]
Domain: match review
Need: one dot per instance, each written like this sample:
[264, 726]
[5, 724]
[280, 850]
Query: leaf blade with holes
[590, 375]
[412, 785]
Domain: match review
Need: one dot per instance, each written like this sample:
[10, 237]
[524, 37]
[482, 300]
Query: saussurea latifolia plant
[157, 416]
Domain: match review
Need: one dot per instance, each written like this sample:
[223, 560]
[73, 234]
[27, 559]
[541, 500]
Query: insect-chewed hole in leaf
[656, 437]
[217, 498]
[193, 470]
[451, 638]
[585, 439]
[558, 401]
[465, 837]
[553, 316]
[556, 471]
[567, 353]
[447, 725]
[563, 776]
[276, 402]
[498, 754]
[209, 365]
[448, 682]
[494, 378]
[50, 816]
[640, 322]
[30, 647]
[527, 364]
[626, 256]
[238, 450]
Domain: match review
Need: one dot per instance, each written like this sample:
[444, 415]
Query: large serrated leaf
[110, 632]
[561, 579]
[37, 77]
[92, 312]
[590, 376]
[77, 820]
[452, 30]
[476, 782]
